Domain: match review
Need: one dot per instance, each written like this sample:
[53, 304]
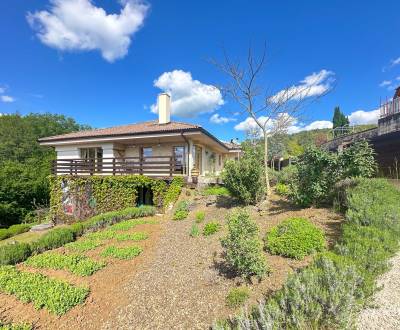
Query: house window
[91, 153]
[219, 160]
[147, 152]
[179, 157]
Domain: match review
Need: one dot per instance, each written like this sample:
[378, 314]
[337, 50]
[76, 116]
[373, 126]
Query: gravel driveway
[386, 315]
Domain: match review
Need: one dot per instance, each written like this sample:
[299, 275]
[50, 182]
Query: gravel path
[386, 315]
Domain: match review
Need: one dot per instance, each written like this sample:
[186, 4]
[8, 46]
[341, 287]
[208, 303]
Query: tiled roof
[139, 128]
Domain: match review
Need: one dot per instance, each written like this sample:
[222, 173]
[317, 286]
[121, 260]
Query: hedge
[338, 284]
[12, 254]
[14, 230]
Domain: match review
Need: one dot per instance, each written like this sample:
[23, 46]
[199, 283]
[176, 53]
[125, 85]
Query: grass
[137, 236]
[200, 216]
[216, 191]
[83, 245]
[211, 228]
[56, 296]
[194, 231]
[76, 264]
[27, 237]
[124, 253]
[237, 297]
[129, 224]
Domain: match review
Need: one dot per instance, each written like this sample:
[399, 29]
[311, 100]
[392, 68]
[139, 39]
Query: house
[162, 148]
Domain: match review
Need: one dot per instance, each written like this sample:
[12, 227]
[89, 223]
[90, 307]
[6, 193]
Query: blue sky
[103, 62]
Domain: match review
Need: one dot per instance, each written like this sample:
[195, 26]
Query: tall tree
[339, 119]
[272, 113]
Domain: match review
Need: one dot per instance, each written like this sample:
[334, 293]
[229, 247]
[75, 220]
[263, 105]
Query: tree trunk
[266, 163]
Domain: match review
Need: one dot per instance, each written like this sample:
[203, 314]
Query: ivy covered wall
[73, 197]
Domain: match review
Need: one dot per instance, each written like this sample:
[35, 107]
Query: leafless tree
[272, 112]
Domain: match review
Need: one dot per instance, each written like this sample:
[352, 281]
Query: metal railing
[390, 108]
[160, 166]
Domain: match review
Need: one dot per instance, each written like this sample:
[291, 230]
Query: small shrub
[215, 191]
[237, 297]
[129, 224]
[243, 248]
[11, 254]
[194, 231]
[200, 216]
[15, 326]
[281, 189]
[211, 228]
[137, 236]
[76, 264]
[286, 174]
[14, 230]
[181, 211]
[53, 239]
[295, 238]
[83, 245]
[122, 252]
[173, 191]
[101, 235]
[56, 296]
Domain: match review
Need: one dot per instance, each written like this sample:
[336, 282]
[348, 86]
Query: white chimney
[164, 108]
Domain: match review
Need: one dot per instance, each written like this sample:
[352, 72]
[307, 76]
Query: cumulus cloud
[7, 98]
[385, 83]
[362, 117]
[395, 61]
[283, 123]
[189, 97]
[315, 84]
[217, 119]
[79, 25]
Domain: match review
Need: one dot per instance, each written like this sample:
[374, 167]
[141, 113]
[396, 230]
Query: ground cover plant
[295, 238]
[337, 285]
[281, 189]
[181, 211]
[15, 326]
[14, 230]
[76, 264]
[242, 246]
[129, 224]
[83, 245]
[124, 253]
[56, 296]
[237, 297]
[211, 228]
[137, 236]
[200, 216]
[194, 230]
[215, 191]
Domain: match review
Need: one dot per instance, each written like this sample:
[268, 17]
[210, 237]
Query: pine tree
[339, 119]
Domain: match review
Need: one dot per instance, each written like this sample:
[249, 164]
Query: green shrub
[53, 239]
[55, 295]
[129, 224]
[243, 248]
[122, 252]
[281, 189]
[101, 235]
[211, 228]
[11, 254]
[137, 236]
[237, 297]
[181, 211]
[76, 264]
[215, 191]
[295, 238]
[286, 174]
[15, 326]
[14, 230]
[194, 231]
[200, 216]
[173, 191]
[83, 245]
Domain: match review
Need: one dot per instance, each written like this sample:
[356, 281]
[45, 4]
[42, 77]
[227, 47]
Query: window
[219, 160]
[91, 153]
[147, 152]
[179, 157]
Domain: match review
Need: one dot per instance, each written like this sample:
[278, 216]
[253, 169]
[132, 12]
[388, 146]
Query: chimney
[164, 108]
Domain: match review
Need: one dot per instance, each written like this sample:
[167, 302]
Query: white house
[162, 148]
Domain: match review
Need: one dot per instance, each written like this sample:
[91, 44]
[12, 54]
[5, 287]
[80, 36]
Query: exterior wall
[67, 152]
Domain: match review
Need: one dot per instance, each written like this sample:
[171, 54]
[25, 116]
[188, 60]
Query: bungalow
[162, 148]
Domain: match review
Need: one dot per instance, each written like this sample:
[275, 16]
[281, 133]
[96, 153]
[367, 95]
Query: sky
[103, 62]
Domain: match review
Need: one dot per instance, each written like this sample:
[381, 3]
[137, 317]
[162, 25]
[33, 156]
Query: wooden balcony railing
[159, 166]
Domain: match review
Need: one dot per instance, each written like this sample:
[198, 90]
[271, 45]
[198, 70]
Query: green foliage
[129, 224]
[286, 174]
[137, 236]
[194, 230]
[295, 238]
[56, 296]
[14, 230]
[215, 191]
[53, 239]
[76, 264]
[237, 297]
[83, 245]
[173, 191]
[339, 119]
[200, 216]
[245, 178]
[243, 247]
[181, 211]
[24, 164]
[211, 228]
[11, 254]
[15, 326]
[281, 189]
[124, 253]
[318, 171]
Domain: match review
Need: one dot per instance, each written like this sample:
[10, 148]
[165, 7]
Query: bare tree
[272, 112]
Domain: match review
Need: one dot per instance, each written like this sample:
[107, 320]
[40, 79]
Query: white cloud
[217, 119]
[395, 61]
[250, 125]
[315, 84]
[79, 25]
[7, 98]
[189, 97]
[318, 124]
[361, 117]
[385, 83]
[2, 90]
[398, 78]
